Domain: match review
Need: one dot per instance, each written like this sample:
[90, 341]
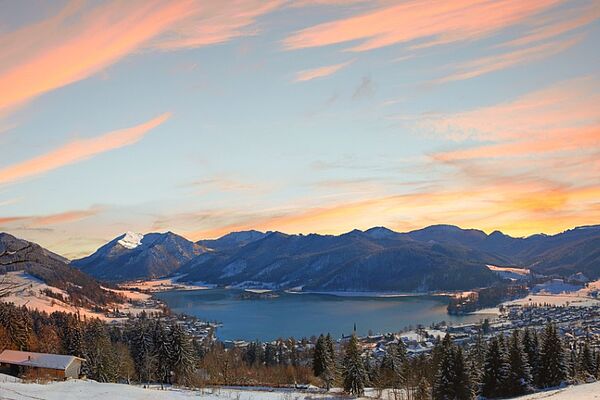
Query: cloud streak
[320, 72]
[485, 65]
[419, 20]
[50, 219]
[81, 40]
[78, 150]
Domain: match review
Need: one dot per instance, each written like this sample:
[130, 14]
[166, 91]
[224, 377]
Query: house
[40, 365]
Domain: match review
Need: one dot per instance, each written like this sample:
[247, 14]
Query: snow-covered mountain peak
[131, 240]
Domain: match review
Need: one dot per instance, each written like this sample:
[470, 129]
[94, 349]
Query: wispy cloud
[571, 103]
[216, 22]
[76, 43]
[83, 39]
[78, 150]
[37, 221]
[496, 62]
[419, 20]
[320, 72]
[557, 23]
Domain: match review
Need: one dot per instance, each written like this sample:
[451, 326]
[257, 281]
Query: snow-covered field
[163, 284]
[29, 294]
[81, 389]
[510, 272]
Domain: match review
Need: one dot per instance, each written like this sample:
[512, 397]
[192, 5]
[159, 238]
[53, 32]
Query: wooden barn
[40, 365]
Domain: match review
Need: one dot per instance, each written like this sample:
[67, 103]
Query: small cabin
[40, 365]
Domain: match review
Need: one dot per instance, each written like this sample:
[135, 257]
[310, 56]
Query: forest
[153, 349]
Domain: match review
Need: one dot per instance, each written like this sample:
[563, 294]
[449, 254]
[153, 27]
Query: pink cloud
[81, 40]
[485, 65]
[320, 72]
[430, 22]
[78, 150]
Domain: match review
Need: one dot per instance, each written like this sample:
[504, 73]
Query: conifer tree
[495, 371]
[475, 361]
[183, 360]
[319, 356]
[329, 373]
[518, 381]
[423, 390]
[531, 348]
[100, 357]
[553, 368]
[452, 380]
[162, 353]
[587, 362]
[354, 373]
[392, 366]
[142, 350]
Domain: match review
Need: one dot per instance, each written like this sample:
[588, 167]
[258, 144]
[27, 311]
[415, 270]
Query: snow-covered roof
[39, 360]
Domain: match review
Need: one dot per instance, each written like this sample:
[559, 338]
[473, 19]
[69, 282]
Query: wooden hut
[40, 365]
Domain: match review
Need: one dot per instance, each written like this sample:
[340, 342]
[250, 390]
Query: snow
[555, 286]
[510, 272]
[41, 360]
[131, 240]
[28, 293]
[164, 284]
[580, 392]
[83, 389]
[555, 300]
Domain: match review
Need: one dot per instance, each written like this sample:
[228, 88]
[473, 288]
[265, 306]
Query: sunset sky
[204, 117]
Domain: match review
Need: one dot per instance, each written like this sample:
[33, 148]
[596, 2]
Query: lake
[304, 315]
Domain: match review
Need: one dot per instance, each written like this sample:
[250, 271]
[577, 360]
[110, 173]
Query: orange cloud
[497, 62]
[582, 139]
[559, 23]
[77, 43]
[516, 208]
[82, 39]
[216, 22]
[78, 150]
[51, 219]
[320, 72]
[567, 104]
[429, 22]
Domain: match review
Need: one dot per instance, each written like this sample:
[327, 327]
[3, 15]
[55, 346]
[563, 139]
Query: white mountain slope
[80, 389]
[131, 240]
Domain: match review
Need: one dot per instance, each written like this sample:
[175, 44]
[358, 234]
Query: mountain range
[439, 257]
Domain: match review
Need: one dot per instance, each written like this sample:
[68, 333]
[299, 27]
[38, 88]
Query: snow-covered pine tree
[553, 368]
[495, 370]
[100, 356]
[142, 350]
[162, 353]
[392, 366]
[452, 379]
[531, 348]
[518, 381]
[330, 371]
[183, 360]
[587, 362]
[423, 390]
[319, 356]
[354, 373]
[463, 388]
[475, 360]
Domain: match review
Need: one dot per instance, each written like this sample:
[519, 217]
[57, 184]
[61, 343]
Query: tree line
[155, 349]
[505, 366]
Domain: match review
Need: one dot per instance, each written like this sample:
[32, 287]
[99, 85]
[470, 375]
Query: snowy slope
[79, 389]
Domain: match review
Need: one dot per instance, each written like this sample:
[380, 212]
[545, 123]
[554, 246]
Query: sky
[205, 117]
